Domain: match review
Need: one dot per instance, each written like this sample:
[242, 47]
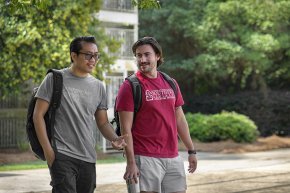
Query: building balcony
[118, 5]
[118, 12]
[127, 38]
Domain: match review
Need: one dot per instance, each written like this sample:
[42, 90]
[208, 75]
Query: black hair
[153, 43]
[76, 44]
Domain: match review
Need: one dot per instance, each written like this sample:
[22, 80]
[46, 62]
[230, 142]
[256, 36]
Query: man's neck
[77, 72]
[151, 74]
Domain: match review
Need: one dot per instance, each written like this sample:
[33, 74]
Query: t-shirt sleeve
[45, 89]
[103, 104]
[179, 98]
[124, 100]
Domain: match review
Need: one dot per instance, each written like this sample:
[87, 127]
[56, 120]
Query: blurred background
[231, 58]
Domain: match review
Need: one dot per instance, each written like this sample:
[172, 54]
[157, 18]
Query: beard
[145, 67]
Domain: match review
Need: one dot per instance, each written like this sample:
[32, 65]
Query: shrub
[223, 126]
[270, 111]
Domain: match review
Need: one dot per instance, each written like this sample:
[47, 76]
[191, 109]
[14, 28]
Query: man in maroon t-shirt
[152, 143]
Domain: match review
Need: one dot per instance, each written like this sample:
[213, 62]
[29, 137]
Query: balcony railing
[126, 36]
[112, 88]
[118, 5]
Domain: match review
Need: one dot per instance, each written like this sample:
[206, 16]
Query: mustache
[144, 63]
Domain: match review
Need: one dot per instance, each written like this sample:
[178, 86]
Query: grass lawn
[24, 166]
[38, 164]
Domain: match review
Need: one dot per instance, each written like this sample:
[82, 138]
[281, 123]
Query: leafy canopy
[146, 4]
[223, 46]
[35, 36]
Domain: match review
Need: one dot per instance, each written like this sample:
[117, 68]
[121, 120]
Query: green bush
[270, 111]
[223, 126]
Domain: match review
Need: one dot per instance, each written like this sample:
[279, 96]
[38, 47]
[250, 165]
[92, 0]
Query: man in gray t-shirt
[83, 104]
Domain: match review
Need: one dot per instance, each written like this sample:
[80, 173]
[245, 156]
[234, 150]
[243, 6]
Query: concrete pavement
[216, 173]
[260, 172]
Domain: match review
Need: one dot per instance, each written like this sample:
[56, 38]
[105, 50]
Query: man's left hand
[119, 143]
[192, 163]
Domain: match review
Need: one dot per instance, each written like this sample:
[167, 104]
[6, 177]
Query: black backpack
[137, 97]
[49, 116]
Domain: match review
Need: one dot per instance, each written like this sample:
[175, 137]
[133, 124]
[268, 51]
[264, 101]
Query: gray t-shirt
[75, 121]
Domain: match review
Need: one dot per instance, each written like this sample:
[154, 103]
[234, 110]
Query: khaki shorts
[161, 175]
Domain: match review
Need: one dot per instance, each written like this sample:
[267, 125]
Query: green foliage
[146, 4]
[223, 126]
[23, 5]
[39, 164]
[38, 38]
[23, 146]
[223, 46]
[269, 112]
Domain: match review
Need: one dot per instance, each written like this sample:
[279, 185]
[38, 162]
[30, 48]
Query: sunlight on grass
[111, 160]
[24, 166]
[42, 164]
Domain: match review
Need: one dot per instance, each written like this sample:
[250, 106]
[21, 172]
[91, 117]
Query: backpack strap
[171, 82]
[136, 90]
[57, 88]
[55, 100]
[137, 97]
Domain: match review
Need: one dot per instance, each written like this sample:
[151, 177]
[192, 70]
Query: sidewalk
[260, 172]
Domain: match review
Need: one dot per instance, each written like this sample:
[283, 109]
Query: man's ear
[73, 56]
[158, 57]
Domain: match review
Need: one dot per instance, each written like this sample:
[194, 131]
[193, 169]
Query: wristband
[191, 152]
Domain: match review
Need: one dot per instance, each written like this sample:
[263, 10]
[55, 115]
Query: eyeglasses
[90, 56]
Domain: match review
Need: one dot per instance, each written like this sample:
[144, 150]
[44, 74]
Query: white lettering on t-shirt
[77, 94]
[161, 94]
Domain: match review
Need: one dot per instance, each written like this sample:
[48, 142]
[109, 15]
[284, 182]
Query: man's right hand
[49, 156]
[132, 172]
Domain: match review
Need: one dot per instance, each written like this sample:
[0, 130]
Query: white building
[120, 20]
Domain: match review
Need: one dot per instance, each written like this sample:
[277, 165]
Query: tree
[217, 46]
[35, 37]
[146, 4]
[15, 5]
[24, 5]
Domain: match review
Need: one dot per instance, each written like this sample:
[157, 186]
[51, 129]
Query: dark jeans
[70, 175]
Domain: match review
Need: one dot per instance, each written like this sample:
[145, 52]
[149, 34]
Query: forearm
[108, 131]
[40, 109]
[40, 128]
[132, 170]
[126, 121]
[185, 138]
[129, 150]
[184, 134]
[183, 129]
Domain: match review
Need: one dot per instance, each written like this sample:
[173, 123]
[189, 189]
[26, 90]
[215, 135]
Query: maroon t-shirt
[154, 129]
